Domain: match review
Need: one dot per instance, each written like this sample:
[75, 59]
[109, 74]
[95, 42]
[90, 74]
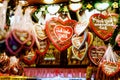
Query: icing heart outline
[101, 55]
[50, 24]
[33, 57]
[12, 52]
[21, 31]
[85, 49]
[103, 33]
[107, 66]
[47, 47]
[84, 36]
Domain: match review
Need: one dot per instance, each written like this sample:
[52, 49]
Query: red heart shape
[30, 57]
[103, 25]
[60, 32]
[110, 68]
[44, 45]
[96, 53]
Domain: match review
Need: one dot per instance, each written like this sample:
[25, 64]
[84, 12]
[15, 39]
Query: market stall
[60, 39]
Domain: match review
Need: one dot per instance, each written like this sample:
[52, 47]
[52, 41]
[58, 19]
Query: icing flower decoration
[118, 39]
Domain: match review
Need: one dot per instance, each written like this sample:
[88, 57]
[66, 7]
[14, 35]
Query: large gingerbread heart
[103, 25]
[60, 32]
[110, 68]
[96, 54]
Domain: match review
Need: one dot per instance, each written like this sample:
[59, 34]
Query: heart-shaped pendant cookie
[110, 68]
[30, 42]
[80, 27]
[40, 32]
[12, 45]
[30, 57]
[103, 25]
[80, 54]
[44, 45]
[78, 41]
[96, 54]
[20, 36]
[60, 32]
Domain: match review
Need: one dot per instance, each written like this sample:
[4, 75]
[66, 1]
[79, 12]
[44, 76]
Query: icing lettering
[103, 23]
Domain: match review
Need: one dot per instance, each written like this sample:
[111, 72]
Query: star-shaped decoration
[115, 5]
[89, 6]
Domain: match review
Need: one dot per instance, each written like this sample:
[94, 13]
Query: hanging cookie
[30, 57]
[60, 32]
[79, 40]
[80, 53]
[102, 25]
[44, 45]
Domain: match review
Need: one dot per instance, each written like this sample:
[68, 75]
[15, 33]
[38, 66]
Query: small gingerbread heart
[96, 53]
[79, 40]
[20, 36]
[81, 53]
[110, 68]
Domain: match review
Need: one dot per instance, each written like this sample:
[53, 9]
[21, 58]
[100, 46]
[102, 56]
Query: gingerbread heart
[44, 45]
[103, 25]
[12, 45]
[60, 32]
[30, 57]
[80, 54]
[80, 27]
[20, 36]
[78, 41]
[40, 32]
[96, 54]
[110, 68]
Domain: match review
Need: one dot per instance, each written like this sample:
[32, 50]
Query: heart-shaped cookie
[96, 53]
[30, 57]
[44, 45]
[20, 36]
[60, 32]
[80, 27]
[78, 41]
[40, 32]
[12, 45]
[80, 54]
[110, 68]
[103, 25]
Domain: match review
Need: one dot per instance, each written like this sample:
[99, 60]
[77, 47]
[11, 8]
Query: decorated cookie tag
[60, 32]
[80, 54]
[103, 25]
[96, 54]
[80, 27]
[12, 45]
[30, 57]
[20, 36]
[78, 41]
[40, 31]
[44, 45]
[110, 68]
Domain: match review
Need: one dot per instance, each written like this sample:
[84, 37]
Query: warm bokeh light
[75, 6]
[48, 1]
